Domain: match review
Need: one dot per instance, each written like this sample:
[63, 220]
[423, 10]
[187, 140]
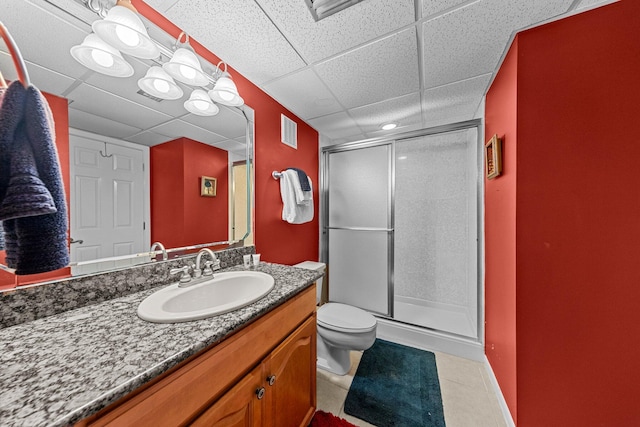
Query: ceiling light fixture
[160, 84]
[200, 104]
[224, 90]
[99, 56]
[388, 126]
[122, 30]
[185, 67]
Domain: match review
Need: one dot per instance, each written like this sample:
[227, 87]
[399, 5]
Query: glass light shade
[160, 84]
[200, 104]
[123, 29]
[225, 92]
[98, 56]
[185, 67]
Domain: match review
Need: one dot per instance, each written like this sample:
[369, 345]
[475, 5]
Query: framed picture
[208, 186]
[493, 157]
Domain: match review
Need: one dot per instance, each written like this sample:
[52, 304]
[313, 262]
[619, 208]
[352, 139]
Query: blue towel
[26, 193]
[304, 179]
[34, 244]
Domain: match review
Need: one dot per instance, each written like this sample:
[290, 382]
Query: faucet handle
[207, 269]
[184, 277]
[215, 265]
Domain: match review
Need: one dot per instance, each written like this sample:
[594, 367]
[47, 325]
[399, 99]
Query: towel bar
[276, 175]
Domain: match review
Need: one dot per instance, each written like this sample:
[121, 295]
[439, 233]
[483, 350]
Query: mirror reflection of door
[240, 203]
[109, 213]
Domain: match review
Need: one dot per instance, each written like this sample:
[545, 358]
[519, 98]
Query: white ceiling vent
[289, 130]
[320, 9]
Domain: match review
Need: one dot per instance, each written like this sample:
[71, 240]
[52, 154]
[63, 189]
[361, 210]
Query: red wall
[275, 239]
[500, 231]
[180, 216]
[60, 111]
[577, 223]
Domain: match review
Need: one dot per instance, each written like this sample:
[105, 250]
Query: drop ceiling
[419, 63]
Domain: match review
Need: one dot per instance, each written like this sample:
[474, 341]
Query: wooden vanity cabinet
[221, 386]
[279, 392]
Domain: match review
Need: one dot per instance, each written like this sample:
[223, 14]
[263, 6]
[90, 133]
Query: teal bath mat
[396, 385]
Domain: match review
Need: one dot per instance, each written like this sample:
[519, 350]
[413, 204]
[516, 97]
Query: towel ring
[18, 62]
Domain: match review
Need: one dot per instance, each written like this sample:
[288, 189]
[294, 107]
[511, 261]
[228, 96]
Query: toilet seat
[345, 318]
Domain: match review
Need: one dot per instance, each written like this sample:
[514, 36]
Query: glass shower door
[359, 227]
[435, 212]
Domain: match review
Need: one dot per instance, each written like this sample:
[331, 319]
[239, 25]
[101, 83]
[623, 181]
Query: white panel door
[107, 200]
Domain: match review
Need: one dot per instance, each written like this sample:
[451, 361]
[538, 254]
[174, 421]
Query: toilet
[341, 328]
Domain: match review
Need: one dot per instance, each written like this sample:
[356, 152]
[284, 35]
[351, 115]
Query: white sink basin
[223, 293]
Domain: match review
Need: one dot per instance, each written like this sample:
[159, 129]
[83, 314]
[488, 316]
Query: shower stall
[400, 230]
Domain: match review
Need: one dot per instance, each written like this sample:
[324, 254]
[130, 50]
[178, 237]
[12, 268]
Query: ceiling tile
[404, 111]
[42, 78]
[339, 32]
[161, 5]
[304, 93]
[91, 123]
[102, 103]
[338, 125]
[588, 4]
[353, 138]
[180, 129]
[454, 102]
[240, 34]
[470, 41]
[368, 74]
[385, 133]
[149, 138]
[32, 28]
[430, 8]
[231, 145]
[228, 123]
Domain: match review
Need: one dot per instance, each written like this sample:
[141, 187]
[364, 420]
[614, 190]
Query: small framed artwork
[493, 157]
[208, 186]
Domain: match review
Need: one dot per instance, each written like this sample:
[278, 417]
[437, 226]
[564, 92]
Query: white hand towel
[302, 197]
[292, 212]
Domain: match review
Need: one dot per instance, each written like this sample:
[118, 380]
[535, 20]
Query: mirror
[113, 125]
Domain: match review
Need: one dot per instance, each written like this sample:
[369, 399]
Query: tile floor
[468, 398]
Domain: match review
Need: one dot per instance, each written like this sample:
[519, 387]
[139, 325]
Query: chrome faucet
[209, 266]
[155, 245]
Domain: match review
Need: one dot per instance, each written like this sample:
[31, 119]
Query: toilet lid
[342, 317]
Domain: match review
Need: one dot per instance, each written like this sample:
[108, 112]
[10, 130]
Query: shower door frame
[391, 141]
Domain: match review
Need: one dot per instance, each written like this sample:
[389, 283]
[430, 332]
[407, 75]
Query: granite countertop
[60, 369]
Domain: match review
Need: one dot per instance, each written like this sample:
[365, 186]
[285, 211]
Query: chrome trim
[392, 140]
[360, 228]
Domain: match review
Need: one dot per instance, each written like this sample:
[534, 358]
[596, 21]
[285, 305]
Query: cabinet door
[291, 379]
[241, 406]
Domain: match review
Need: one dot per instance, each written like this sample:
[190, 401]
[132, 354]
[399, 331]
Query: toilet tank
[317, 266]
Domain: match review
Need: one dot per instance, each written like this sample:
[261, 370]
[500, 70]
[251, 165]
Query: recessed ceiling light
[388, 126]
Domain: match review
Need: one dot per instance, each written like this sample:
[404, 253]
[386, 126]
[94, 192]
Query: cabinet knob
[260, 393]
[271, 379]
